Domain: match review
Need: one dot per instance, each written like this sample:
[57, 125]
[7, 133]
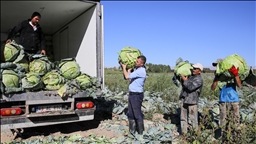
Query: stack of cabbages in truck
[23, 72]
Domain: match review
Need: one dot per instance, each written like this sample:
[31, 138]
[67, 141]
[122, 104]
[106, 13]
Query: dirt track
[82, 128]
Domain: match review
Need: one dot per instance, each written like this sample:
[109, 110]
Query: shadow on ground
[103, 112]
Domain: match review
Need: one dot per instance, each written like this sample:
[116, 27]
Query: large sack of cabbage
[32, 82]
[53, 80]
[69, 68]
[223, 67]
[10, 51]
[128, 55]
[40, 64]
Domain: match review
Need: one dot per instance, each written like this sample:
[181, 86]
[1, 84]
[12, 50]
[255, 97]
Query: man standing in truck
[31, 35]
[137, 79]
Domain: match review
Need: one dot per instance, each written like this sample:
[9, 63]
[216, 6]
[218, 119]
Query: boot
[132, 126]
[140, 126]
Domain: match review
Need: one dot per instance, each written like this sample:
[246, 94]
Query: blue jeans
[134, 107]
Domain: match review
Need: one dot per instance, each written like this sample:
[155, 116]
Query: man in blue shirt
[137, 79]
[229, 100]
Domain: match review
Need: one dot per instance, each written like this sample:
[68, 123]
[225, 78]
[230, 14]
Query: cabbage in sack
[10, 51]
[69, 68]
[128, 56]
[224, 66]
[84, 81]
[32, 82]
[53, 80]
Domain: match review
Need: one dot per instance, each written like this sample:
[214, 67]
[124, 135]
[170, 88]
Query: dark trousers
[134, 107]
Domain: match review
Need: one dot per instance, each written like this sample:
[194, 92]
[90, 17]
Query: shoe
[140, 126]
[132, 126]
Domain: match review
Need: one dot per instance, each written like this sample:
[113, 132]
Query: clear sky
[199, 31]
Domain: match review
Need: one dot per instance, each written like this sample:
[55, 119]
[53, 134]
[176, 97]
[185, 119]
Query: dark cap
[216, 62]
[35, 14]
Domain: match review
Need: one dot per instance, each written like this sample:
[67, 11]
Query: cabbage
[10, 79]
[84, 81]
[22, 59]
[182, 67]
[10, 52]
[53, 80]
[224, 66]
[69, 68]
[128, 56]
[39, 66]
[32, 81]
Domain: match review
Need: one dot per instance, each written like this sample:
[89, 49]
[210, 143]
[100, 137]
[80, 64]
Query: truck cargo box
[73, 29]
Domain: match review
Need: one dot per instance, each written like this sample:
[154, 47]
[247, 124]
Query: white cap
[198, 65]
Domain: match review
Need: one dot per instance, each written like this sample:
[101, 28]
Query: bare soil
[83, 128]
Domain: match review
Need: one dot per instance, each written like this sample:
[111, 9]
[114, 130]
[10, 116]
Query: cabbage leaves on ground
[128, 55]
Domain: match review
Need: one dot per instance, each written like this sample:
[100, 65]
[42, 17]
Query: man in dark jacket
[31, 35]
[191, 89]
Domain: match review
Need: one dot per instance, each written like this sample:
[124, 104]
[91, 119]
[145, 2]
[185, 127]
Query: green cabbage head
[228, 62]
[10, 79]
[182, 67]
[32, 81]
[39, 66]
[69, 69]
[84, 81]
[53, 80]
[128, 56]
[10, 52]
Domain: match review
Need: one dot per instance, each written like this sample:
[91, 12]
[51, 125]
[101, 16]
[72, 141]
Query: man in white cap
[191, 89]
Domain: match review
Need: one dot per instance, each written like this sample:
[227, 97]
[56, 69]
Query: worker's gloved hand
[234, 71]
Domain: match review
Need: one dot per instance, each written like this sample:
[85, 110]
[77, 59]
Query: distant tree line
[160, 68]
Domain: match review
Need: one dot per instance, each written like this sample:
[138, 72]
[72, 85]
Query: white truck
[72, 29]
